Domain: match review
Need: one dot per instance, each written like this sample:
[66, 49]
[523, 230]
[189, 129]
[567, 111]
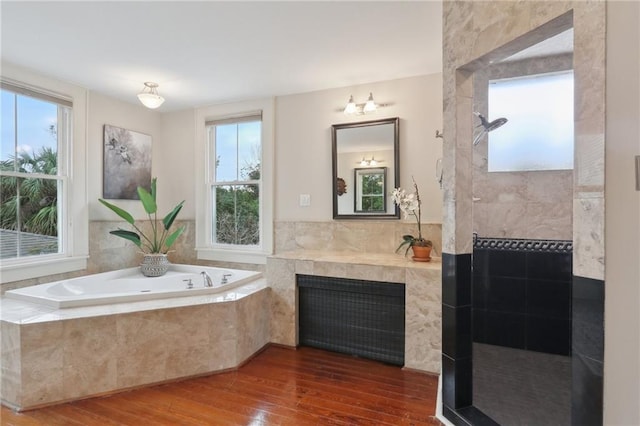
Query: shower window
[539, 134]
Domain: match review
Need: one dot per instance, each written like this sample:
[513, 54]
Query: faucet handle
[189, 282]
[225, 278]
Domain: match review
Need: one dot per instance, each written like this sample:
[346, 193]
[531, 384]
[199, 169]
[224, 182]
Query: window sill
[237, 256]
[28, 269]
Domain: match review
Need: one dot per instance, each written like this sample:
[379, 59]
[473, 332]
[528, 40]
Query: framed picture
[127, 163]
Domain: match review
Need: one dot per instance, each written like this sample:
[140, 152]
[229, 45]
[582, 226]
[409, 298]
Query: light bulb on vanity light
[351, 107]
[370, 106]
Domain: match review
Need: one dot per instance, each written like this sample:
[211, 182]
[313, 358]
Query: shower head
[487, 126]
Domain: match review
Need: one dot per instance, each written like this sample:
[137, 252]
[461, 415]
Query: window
[234, 207]
[370, 190]
[35, 131]
[43, 210]
[235, 156]
[539, 133]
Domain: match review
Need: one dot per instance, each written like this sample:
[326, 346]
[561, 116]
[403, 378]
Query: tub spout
[208, 282]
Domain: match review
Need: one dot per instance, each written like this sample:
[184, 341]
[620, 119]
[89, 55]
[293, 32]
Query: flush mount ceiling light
[149, 95]
[358, 109]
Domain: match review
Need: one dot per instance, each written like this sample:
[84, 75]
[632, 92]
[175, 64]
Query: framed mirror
[366, 168]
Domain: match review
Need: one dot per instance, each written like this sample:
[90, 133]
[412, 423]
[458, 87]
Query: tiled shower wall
[522, 295]
[519, 204]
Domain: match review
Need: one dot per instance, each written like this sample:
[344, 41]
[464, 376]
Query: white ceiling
[212, 52]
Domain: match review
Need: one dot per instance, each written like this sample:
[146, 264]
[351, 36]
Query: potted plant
[410, 205]
[155, 243]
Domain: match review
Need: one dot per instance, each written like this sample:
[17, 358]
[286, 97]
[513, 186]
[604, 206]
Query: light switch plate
[305, 200]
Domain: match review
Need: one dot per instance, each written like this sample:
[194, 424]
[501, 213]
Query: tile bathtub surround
[62, 355]
[109, 253]
[422, 286]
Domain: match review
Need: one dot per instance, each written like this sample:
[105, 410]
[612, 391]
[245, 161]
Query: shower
[487, 126]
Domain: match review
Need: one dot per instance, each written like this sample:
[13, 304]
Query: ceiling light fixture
[358, 109]
[149, 95]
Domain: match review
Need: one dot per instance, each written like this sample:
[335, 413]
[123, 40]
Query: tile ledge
[358, 258]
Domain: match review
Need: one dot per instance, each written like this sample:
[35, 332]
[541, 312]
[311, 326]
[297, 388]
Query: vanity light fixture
[149, 95]
[373, 162]
[358, 109]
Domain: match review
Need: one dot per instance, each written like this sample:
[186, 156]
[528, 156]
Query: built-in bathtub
[54, 354]
[129, 285]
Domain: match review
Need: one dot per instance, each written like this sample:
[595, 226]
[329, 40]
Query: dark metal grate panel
[363, 318]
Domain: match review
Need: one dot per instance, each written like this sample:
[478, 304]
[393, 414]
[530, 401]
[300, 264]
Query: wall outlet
[305, 200]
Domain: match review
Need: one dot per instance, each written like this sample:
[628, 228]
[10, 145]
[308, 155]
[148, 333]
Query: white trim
[35, 268]
[203, 209]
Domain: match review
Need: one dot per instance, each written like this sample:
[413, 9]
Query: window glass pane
[37, 142]
[226, 162]
[372, 192]
[249, 150]
[8, 128]
[539, 133]
[237, 214]
[32, 228]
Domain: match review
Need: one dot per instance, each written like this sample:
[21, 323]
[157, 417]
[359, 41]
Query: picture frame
[127, 163]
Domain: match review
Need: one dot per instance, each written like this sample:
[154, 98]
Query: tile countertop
[358, 258]
[20, 312]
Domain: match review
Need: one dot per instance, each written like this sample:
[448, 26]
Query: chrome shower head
[487, 126]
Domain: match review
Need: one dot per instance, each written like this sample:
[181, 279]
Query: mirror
[365, 169]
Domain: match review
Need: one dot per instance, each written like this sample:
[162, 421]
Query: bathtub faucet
[208, 282]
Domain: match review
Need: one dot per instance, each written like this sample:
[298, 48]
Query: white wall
[175, 162]
[303, 143]
[622, 279]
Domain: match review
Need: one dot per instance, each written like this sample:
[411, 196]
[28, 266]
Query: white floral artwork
[127, 163]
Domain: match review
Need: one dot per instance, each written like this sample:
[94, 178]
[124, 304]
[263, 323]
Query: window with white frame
[234, 202]
[33, 171]
[44, 221]
[234, 185]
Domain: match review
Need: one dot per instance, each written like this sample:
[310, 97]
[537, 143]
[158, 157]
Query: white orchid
[410, 205]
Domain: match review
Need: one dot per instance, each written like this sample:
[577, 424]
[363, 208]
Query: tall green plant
[158, 240]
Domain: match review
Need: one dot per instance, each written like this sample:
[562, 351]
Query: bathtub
[129, 285]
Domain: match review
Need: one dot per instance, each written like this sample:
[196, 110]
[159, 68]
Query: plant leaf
[153, 189]
[405, 242]
[172, 238]
[127, 235]
[148, 201]
[117, 210]
[169, 218]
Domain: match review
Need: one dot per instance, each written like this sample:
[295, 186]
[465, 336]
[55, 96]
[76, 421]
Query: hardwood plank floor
[279, 386]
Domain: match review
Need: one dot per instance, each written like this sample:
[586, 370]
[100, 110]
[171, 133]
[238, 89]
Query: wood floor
[278, 387]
